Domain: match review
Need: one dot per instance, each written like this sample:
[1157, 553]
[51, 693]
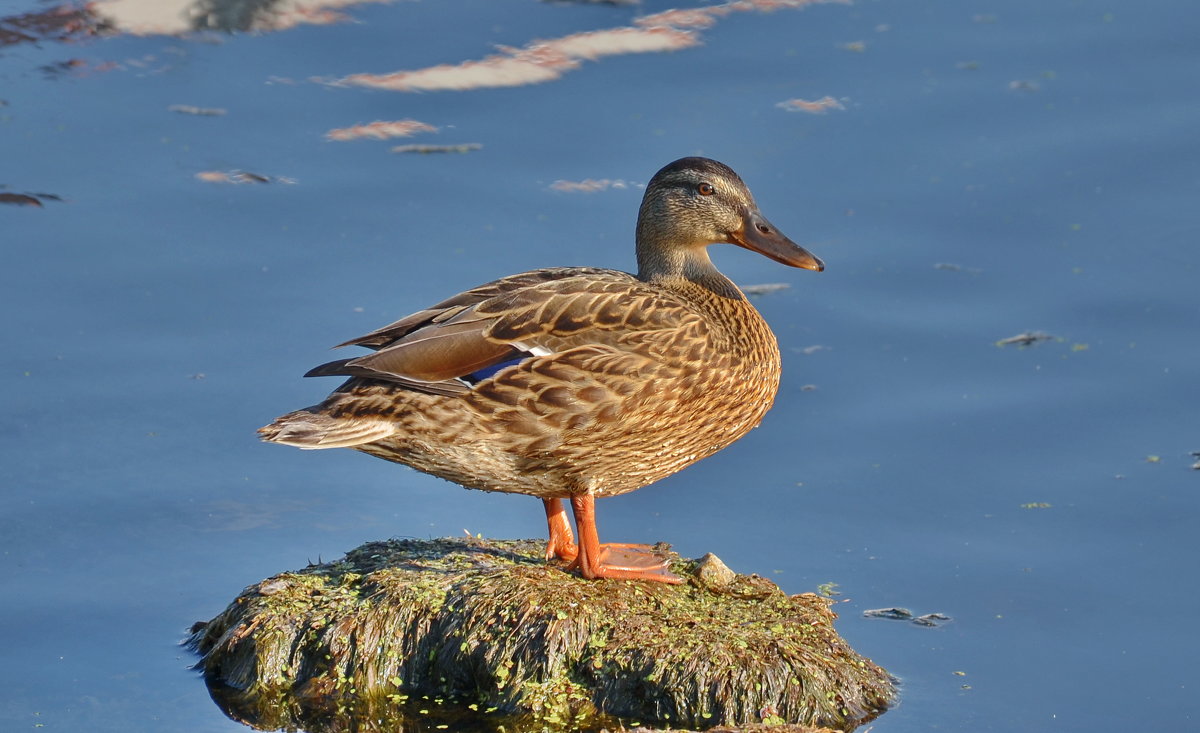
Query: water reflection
[587, 185]
[816, 107]
[188, 109]
[173, 17]
[707, 17]
[535, 63]
[239, 177]
[60, 23]
[380, 130]
[546, 60]
[68, 22]
[321, 711]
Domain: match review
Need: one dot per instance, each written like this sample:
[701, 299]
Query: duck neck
[680, 267]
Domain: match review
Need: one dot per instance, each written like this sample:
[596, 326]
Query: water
[993, 169]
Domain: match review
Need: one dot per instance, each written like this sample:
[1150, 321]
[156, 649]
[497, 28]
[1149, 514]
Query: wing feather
[537, 314]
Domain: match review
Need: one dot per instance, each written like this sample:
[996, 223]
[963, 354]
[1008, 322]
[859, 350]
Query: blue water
[995, 168]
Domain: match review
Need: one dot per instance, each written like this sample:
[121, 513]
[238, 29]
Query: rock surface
[469, 633]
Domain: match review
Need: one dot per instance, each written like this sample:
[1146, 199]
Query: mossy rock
[473, 634]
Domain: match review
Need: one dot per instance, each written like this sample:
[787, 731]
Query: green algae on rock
[484, 628]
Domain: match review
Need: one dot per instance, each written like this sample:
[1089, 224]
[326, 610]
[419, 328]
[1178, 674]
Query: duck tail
[313, 430]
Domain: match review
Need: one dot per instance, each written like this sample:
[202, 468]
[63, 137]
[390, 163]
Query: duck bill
[761, 236]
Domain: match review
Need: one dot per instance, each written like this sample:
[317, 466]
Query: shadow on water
[400, 712]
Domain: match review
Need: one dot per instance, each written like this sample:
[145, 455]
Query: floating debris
[1036, 505]
[951, 267]
[1021, 85]
[810, 350]
[63, 67]
[898, 614]
[1028, 338]
[19, 199]
[187, 109]
[931, 619]
[829, 590]
[380, 130]
[855, 46]
[816, 107]
[27, 199]
[903, 614]
[461, 148]
[1196, 465]
[764, 288]
[1153, 459]
[239, 177]
[587, 185]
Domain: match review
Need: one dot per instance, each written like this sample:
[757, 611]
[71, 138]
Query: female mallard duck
[575, 382]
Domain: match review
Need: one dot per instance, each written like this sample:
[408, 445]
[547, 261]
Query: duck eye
[706, 189]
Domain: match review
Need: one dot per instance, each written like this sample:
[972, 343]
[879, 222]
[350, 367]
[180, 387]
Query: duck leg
[562, 542]
[618, 561]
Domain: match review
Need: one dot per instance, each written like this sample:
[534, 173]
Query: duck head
[695, 202]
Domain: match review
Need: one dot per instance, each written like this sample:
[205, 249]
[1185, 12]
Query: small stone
[272, 586]
[714, 574]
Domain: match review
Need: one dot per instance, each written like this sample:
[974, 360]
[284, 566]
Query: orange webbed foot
[618, 561]
[621, 561]
[557, 549]
[562, 542]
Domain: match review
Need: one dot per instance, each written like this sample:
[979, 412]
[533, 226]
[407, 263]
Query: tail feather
[315, 431]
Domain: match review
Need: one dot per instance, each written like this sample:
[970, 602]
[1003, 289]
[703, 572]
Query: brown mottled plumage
[575, 382]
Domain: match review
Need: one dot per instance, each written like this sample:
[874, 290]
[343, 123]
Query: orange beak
[759, 235]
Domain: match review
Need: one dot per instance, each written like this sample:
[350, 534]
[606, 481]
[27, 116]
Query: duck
[572, 384]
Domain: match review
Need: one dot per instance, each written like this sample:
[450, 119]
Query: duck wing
[451, 307]
[447, 348]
